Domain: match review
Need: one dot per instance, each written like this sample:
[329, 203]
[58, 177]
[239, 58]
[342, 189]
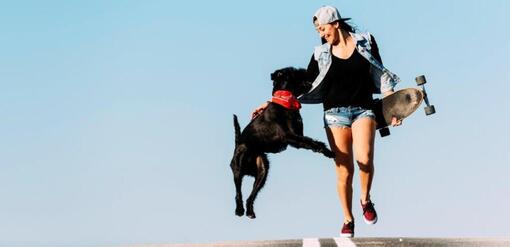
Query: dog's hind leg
[238, 180]
[260, 180]
[236, 166]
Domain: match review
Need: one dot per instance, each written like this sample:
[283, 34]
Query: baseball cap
[327, 14]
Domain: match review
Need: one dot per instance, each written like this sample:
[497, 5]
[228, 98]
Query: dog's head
[292, 79]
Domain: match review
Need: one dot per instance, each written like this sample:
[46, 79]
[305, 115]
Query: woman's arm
[313, 69]
[377, 56]
[375, 53]
[259, 110]
[375, 49]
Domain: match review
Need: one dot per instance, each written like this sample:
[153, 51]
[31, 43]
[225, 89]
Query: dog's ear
[280, 78]
[277, 75]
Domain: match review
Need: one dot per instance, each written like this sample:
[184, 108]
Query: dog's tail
[238, 130]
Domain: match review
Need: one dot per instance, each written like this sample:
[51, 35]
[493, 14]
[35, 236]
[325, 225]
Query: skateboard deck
[400, 104]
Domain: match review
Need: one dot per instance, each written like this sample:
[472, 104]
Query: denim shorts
[345, 116]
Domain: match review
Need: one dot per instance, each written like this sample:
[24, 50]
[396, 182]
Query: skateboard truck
[384, 132]
[429, 109]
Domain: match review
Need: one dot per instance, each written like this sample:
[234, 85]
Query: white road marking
[311, 242]
[344, 242]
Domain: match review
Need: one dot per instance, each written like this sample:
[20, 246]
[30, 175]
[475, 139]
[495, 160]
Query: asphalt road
[361, 242]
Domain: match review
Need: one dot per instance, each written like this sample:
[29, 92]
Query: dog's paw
[239, 211]
[251, 215]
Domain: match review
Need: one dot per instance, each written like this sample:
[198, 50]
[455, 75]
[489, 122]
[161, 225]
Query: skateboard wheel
[420, 80]
[429, 110]
[384, 132]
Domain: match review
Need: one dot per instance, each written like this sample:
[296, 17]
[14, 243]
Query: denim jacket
[383, 79]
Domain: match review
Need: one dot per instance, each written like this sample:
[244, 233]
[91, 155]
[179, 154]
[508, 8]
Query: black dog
[278, 126]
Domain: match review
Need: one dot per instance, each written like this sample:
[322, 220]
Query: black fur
[271, 132]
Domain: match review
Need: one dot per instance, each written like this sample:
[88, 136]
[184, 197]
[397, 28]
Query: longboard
[400, 104]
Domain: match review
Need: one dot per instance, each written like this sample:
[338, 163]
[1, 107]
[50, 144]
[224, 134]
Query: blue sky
[116, 121]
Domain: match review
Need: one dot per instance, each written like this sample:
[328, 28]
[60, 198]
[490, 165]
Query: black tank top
[349, 83]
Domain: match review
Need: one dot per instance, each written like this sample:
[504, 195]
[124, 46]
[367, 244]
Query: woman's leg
[363, 135]
[340, 141]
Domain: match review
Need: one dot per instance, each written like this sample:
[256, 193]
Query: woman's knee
[365, 162]
[364, 159]
[345, 179]
[345, 172]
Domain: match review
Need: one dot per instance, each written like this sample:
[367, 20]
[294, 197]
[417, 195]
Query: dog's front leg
[309, 143]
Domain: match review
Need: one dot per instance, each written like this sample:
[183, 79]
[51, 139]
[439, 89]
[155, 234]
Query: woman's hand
[388, 93]
[259, 110]
[396, 122]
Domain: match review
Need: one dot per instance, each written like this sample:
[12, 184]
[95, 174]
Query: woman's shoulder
[363, 36]
[365, 39]
[324, 48]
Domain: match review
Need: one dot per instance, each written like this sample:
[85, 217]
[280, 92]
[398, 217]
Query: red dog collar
[286, 99]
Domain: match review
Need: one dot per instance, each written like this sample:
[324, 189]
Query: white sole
[346, 235]
[370, 222]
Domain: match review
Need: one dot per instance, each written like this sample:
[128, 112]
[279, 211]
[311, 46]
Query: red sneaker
[348, 230]
[369, 214]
